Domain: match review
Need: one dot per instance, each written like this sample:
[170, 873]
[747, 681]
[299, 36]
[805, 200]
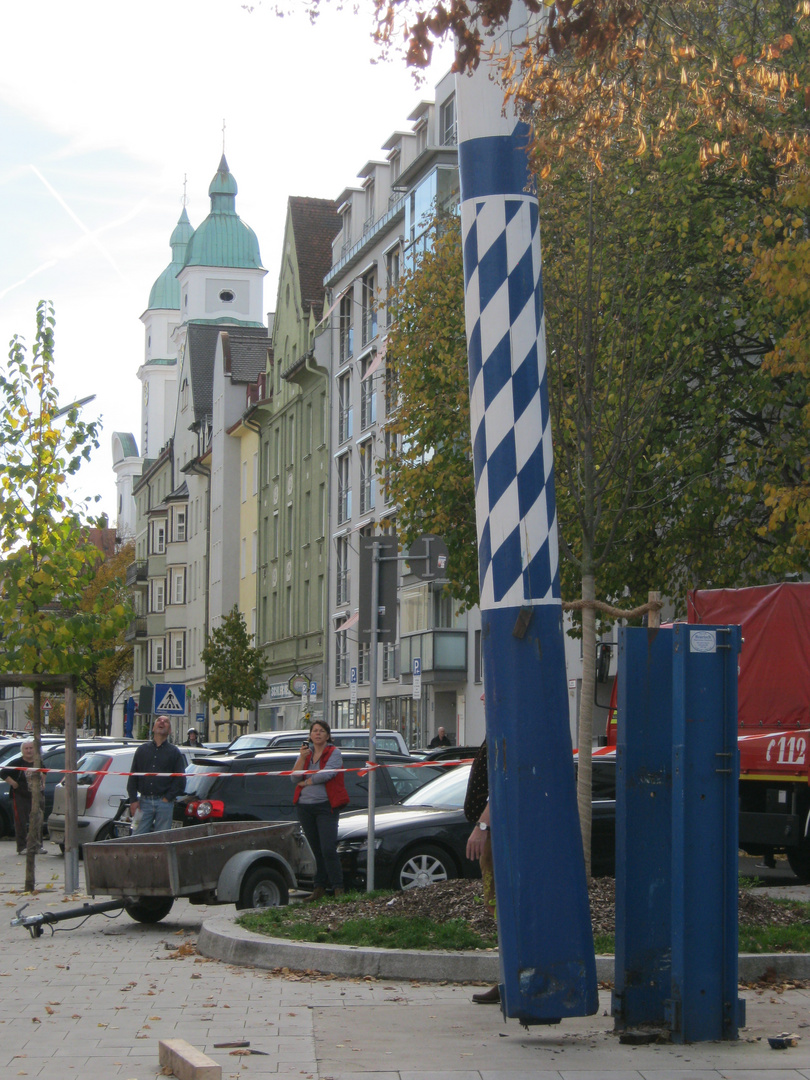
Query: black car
[423, 840]
[246, 787]
[450, 753]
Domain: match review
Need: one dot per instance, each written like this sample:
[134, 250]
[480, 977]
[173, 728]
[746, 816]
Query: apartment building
[385, 222]
[294, 474]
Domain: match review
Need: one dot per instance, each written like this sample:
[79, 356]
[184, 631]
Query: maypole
[548, 969]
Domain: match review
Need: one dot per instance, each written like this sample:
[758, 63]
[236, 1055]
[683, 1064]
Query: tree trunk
[585, 740]
[35, 782]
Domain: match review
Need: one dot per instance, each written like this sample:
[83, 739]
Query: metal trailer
[250, 864]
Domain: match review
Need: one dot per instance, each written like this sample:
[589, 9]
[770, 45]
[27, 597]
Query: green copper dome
[223, 239]
[166, 290]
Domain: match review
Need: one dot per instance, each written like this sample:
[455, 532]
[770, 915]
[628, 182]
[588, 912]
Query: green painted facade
[293, 501]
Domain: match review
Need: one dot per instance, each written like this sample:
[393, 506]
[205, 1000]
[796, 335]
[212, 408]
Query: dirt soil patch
[459, 899]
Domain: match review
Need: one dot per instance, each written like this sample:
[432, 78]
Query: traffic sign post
[170, 698]
[417, 678]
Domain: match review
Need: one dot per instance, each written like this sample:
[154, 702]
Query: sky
[107, 108]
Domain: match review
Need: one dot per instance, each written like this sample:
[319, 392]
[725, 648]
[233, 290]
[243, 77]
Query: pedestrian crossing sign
[170, 698]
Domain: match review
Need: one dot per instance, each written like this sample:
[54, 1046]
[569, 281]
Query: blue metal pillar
[676, 832]
[548, 969]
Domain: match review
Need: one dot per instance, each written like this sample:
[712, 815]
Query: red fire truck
[773, 713]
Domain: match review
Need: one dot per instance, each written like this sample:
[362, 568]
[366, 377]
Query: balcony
[136, 572]
[136, 629]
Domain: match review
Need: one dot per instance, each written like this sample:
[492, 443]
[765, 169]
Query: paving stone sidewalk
[93, 1001]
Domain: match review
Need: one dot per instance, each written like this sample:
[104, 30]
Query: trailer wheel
[150, 909]
[799, 859]
[263, 887]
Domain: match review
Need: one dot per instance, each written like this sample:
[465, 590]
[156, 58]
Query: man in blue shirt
[154, 795]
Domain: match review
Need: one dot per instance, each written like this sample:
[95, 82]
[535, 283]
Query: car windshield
[448, 790]
[250, 742]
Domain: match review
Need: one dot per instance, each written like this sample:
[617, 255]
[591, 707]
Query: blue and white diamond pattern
[510, 420]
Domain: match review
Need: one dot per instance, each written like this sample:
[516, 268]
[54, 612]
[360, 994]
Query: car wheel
[263, 887]
[106, 832]
[424, 865]
[149, 909]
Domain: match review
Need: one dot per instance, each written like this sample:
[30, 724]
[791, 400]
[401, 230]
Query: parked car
[388, 740]
[100, 785]
[53, 759]
[243, 787]
[423, 840]
[450, 753]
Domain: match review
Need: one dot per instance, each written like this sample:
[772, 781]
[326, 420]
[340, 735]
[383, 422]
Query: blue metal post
[548, 969]
[676, 832]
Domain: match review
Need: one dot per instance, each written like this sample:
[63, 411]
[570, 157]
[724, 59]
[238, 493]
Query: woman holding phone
[320, 792]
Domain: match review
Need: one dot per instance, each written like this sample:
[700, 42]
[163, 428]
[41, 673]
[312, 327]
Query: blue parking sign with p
[170, 698]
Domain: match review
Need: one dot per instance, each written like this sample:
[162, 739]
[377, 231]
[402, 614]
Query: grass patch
[301, 923]
[791, 938]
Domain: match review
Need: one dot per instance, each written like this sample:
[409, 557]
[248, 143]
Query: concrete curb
[221, 939]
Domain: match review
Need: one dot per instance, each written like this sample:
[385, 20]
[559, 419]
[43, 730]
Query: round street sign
[298, 684]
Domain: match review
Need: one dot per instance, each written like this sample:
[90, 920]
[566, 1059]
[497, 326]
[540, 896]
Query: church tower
[158, 373]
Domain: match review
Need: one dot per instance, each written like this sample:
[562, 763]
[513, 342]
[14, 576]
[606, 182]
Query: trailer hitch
[34, 923]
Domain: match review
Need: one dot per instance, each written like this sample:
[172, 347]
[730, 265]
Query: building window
[243, 557]
[307, 439]
[366, 477]
[344, 407]
[179, 589]
[178, 660]
[371, 197]
[256, 473]
[369, 306]
[289, 538]
[368, 398]
[341, 658]
[346, 330]
[390, 460]
[363, 672]
[180, 526]
[390, 666]
[244, 481]
[255, 551]
[274, 549]
[321, 511]
[159, 596]
[346, 215]
[391, 389]
[394, 165]
[421, 135]
[159, 537]
[342, 592]
[157, 655]
[344, 494]
[393, 268]
[448, 135]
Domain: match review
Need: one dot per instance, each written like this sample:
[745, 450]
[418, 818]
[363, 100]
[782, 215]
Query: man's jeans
[156, 815]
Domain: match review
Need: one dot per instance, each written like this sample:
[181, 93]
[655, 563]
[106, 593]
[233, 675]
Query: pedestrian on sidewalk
[479, 845]
[320, 792]
[17, 779]
[154, 795]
